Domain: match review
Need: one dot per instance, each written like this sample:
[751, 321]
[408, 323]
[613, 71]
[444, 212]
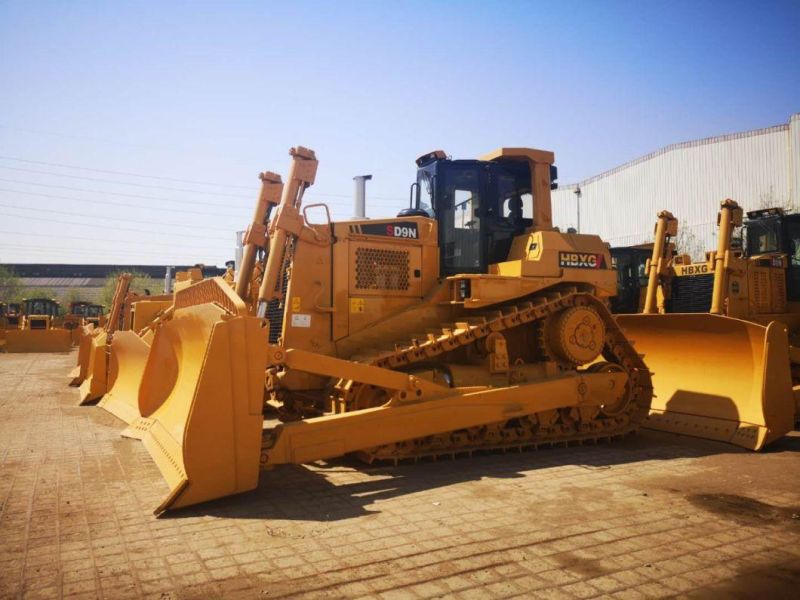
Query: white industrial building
[757, 168]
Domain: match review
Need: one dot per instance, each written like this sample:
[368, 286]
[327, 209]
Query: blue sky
[197, 93]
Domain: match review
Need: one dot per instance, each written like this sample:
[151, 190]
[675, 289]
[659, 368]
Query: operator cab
[13, 312]
[630, 263]
[480, 207]
[39, 312]
[771, 231]
[80, 309]
[41, 307]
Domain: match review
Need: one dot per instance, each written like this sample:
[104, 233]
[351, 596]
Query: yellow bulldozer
[116, 353]
[10, 317]
[717, 333]
[466, 323]
[130, 349]
[11, 314]
[80, 314]
[36, 328]
[91, 368]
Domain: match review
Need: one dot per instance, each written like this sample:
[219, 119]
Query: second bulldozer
[716, 333]
[466, 323]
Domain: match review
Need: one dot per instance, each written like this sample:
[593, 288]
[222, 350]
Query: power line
[115, 142]
[125, 173]
[189, 181]
[112, 228]
[91, 252]
[118, 182]
[86, 251]
[96, 239]
[122, 194]
[123, 204]
[25, 254]
[107, 218]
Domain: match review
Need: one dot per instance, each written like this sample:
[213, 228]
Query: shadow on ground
[296, 492]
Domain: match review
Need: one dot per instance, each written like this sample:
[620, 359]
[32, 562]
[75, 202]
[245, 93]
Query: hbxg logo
[694, 269]
[580, 260]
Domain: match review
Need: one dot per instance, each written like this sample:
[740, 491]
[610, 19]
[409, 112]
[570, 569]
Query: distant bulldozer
[35, 328]
[79, 315]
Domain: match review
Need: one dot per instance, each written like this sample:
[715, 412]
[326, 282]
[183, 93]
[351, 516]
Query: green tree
[38, 293]
[10, 286]
[772, 200]
[687, 242]
[139, 283]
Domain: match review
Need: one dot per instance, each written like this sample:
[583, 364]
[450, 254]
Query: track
[545, 428]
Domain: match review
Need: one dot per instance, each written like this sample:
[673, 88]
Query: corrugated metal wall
[755, 168]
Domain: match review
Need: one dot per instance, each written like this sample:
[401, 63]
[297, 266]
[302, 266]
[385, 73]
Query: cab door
[791, 245]
[459, 209]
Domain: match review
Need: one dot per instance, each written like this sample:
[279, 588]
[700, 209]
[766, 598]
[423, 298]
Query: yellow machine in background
[138, 310]
[12, 315]
[3, 309]
[9, 319]
[117, 355]
[127, 355]
[79, 315]
[90, 372]
[107, 353]
[36, 329]
[466, 323]
[131, 348]
[95, 315]
[716, 335]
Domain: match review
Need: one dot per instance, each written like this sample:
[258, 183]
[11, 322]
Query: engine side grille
[760, 295]
[778, 280]
[378, 269]
[691, 294]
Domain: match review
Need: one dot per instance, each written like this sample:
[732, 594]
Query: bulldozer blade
[78, 374]
[201, 397]
[126, 363]
[716, 377]
[38, 340]
[95, 383]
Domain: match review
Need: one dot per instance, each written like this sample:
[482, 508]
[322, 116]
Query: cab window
[460, 216]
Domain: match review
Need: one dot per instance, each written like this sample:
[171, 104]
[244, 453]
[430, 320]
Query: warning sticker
[301, 320]
[296, 303]
[356, 305]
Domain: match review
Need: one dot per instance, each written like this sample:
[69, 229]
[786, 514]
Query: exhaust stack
[360, 209]
[238, 254]
[168, 280]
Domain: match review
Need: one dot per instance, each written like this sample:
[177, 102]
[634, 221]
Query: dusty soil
[654, 515]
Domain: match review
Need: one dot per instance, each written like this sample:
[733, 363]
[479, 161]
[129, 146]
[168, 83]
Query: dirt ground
[654, 515]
